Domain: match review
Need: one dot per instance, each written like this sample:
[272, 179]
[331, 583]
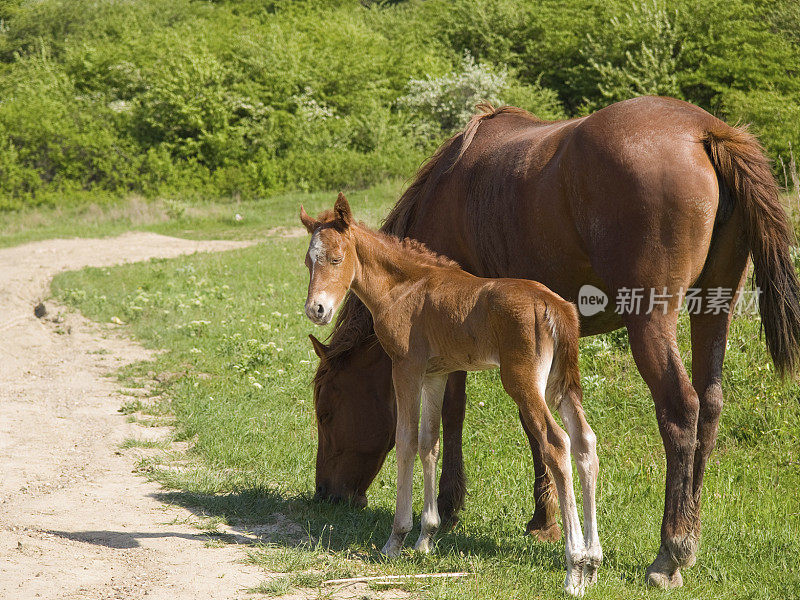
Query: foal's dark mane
[353, 326]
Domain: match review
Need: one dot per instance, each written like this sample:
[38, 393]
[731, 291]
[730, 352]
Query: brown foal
[433, 319]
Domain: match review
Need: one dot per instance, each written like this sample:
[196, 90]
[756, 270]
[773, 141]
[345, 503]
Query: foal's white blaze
[316, 252]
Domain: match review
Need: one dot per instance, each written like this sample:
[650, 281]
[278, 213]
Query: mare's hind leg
[726, 269]
[452, 485]
[584, 451]
[432, 393]
[543, 526]
[655, 350]
[520, 379]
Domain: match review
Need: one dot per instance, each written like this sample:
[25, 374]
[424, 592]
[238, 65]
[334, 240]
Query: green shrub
[446, 103]
[774, 116]
[190, 99]
[54, 138]
[637, 54]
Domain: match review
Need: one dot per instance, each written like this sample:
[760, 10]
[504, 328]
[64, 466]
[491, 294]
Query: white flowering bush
[449, 101]
[311, 109]
[444, 104]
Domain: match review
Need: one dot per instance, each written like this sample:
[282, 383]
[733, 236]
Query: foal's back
[472, 323]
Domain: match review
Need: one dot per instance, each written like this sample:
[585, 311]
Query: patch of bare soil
[287, 232]
[76, 522]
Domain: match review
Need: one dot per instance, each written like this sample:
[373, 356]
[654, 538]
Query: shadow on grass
[265, 517]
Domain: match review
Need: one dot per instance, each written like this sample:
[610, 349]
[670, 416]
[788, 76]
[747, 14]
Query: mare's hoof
[664, 572]
[548, 533]
[449, 523]
[665, 581]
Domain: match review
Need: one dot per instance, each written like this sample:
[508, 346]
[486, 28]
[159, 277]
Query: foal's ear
[342, 210]
[319, 348]
[309, 223]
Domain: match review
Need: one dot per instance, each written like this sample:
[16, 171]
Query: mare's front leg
[407, 378]
[453, 484]
[432, 396]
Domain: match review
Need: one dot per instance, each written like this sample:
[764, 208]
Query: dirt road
[75, 522]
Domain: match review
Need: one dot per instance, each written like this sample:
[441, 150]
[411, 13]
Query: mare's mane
[353, 326]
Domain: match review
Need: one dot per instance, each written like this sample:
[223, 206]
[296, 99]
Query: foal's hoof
[424, 545]
[594, 558]
[547, 533]
[576, 591]
[574, 584]
[392, 548]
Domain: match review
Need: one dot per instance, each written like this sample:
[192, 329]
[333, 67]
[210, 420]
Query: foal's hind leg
[520, 379]
[584, 450]
[432, 393]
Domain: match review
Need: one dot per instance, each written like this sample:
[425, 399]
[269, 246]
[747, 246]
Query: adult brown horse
[650, 194]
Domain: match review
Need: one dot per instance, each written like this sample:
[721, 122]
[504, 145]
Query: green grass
[234, 328]
[131, 442]
[199, 220]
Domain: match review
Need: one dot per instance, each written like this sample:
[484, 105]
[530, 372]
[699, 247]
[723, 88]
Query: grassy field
[99, 216]
[235, 382]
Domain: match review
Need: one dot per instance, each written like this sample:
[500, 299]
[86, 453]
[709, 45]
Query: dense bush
[247, 98]
[446, 103]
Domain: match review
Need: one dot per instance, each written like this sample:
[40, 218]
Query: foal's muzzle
[318, 313]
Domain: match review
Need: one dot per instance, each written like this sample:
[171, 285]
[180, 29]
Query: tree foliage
[251, 97]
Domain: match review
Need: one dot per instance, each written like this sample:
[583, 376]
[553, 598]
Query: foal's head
[331, 259]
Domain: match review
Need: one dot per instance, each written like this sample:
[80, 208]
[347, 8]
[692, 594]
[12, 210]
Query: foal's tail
[565, 376]
[743, 169]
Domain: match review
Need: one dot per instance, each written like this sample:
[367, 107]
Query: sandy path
[75, 522]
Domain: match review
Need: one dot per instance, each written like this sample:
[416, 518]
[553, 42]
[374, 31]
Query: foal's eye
[336, 261]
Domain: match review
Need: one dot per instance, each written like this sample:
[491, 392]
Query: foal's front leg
[407, 380]
[432, 398]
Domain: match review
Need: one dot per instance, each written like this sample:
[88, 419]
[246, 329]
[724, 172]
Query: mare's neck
[386, 269]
